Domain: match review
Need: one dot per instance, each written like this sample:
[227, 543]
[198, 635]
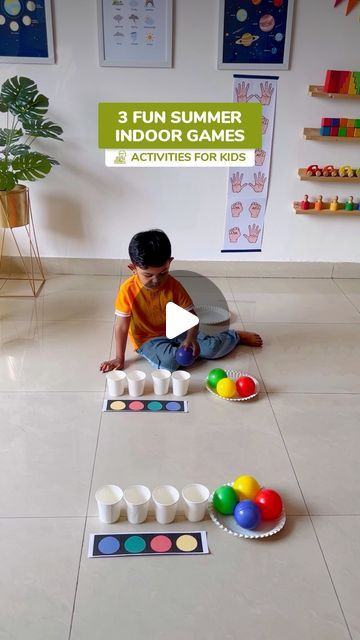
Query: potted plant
[25, 109]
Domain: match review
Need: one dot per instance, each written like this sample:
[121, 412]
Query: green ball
[214, 376]
[225, 499]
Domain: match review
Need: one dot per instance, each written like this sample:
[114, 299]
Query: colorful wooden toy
[313, 170]
[329, 170]
[305, 204]
[334, 204]
[349, 205]
[319, 204]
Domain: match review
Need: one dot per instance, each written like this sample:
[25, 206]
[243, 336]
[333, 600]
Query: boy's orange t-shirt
[147, 308]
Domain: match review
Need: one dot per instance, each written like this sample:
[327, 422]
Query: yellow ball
[226, 388]
[246, 487]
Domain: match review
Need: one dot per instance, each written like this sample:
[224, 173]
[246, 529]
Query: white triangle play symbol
[178, 320]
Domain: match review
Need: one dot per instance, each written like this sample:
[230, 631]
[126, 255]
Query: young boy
[140, 310]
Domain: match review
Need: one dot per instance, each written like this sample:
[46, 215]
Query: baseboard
[230, 269]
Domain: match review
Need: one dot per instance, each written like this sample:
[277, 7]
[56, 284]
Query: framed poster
[26, 31]
[135, 33]
[255, 36]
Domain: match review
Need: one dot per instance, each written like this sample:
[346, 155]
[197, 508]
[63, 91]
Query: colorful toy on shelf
[349, 205]
[334, 204]
[319, 204]
[340, 127]
[313, 170]
[347, 82]
[305, 204]
[329, 170]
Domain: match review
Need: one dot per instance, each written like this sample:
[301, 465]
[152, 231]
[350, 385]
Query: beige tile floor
[301, 436]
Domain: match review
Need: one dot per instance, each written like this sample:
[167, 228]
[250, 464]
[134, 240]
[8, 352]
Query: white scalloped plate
[208, 314]
[231, 373]
[229, 524]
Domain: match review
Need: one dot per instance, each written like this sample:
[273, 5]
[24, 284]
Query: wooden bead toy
[349, 205]
[319, 204]
[334, 204]
[305, 204]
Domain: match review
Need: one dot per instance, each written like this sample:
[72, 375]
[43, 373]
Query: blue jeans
[160, 352]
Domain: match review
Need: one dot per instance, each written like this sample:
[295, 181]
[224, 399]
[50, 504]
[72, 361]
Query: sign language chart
[248, 186]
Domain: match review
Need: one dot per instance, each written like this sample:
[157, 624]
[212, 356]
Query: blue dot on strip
[109, 545]
[173, 406]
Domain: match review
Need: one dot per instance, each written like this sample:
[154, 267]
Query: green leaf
[42, 128]
[31, 166]
[51, 160]
[22, 98]
[7, 181]
[19, 149]
[8, 136]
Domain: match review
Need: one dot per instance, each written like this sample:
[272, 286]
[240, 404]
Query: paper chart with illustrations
[248, 186]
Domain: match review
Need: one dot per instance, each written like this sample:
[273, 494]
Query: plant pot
[14, 207]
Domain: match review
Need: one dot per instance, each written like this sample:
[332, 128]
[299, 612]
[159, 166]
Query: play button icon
[178, 320]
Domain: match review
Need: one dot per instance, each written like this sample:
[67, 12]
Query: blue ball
[185, 357]
[247, 514]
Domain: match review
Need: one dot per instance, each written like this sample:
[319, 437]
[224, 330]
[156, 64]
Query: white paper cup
[116, 382]
[108, 500]
[195, 498]
[161, 381]
[137, 498]
[165, 498]
[180, 382]
[136, 383]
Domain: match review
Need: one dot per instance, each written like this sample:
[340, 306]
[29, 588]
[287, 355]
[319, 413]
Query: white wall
[83, 209]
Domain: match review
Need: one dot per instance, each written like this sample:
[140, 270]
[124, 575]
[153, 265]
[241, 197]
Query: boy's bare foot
[250, 339]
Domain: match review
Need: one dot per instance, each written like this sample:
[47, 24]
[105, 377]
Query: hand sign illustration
[255, 209]
[266, 93]
[234, 234]
[236, 181]
[260, 156]
[236, 209]
[254, 231]
[241, 92]
[265, 124]
[259, 181]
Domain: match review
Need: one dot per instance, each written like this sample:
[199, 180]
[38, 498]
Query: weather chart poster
[255, 33]
[248, 186]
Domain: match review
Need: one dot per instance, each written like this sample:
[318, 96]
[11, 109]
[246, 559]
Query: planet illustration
[12, 7]
[279, 37]
[241, 15]
[247, 39]
[255, 2]
[274, 50]
[278, 3]
[266, 23]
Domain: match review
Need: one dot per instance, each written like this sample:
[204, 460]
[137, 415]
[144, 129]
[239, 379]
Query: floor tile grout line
[88, 502]
[346, 296]
[310, 518]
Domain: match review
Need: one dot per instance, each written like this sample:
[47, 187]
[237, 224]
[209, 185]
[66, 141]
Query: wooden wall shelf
[317, 91]
[326, 211]
[302, 176]
[314, 134]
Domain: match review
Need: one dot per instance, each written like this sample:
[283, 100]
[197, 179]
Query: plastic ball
[185, 357]
[225, 499]
[245, 386]
[214, 376]
[226, 388]
[246, 487]
[269, 503]
[247, 514]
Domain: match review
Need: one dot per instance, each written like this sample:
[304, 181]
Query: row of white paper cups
[136, 382]
[165, 497]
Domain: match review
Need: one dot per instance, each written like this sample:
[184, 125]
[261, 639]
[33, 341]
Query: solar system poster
[26, 31]
[255, 34]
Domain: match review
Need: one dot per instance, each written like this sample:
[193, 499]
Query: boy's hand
[109, 365]
[192, 344]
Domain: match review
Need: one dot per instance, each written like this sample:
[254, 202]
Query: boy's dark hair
[149, 249]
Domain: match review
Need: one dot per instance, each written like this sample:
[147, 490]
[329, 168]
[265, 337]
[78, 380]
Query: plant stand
[32, 270]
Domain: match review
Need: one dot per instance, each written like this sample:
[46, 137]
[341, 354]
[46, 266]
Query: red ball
[245, 386]
[269, 503]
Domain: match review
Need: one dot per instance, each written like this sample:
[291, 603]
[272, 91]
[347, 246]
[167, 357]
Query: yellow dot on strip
[118, 405]
[186, 543]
